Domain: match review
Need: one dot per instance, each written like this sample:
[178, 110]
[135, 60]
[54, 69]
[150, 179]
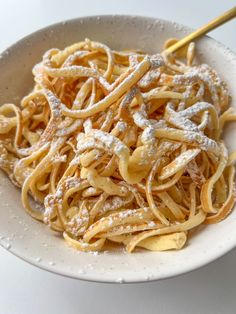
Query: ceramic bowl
[35, 242]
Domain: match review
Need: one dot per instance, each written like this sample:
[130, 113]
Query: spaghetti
[121, 146]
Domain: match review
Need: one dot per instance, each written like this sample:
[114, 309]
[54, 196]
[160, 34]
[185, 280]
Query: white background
[28, 290]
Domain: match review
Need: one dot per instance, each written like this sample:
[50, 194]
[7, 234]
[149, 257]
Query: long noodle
[121, 146]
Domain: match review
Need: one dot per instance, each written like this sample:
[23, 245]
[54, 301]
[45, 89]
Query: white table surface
[28, 290]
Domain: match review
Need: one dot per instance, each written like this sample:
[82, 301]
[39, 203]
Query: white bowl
[35, 242]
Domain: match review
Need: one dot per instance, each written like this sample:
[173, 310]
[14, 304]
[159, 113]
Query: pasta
[121, 146]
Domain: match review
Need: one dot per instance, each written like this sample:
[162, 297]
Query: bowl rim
[107, 16]
[88, 276]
